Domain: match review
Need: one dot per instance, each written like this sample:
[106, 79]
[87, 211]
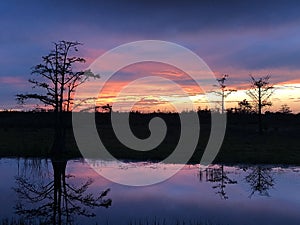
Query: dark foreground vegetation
[136, 222]
[31, 134]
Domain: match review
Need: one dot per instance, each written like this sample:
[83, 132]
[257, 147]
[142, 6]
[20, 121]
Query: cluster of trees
[260, 92]
[57, 80]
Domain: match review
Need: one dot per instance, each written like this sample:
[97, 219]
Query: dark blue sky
[235, 37]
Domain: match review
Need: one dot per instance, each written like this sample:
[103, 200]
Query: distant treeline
[34, 119]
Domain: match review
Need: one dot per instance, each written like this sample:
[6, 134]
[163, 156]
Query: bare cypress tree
[57, 81]
[260, 92]
[224, 92]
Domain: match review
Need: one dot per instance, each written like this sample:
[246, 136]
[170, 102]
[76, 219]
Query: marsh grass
[167, 222]
[19, 222]
[133, 222]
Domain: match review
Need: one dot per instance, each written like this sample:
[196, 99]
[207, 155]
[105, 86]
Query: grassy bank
[31, 135]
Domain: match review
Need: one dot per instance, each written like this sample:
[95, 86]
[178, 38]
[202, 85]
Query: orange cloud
[150, 96]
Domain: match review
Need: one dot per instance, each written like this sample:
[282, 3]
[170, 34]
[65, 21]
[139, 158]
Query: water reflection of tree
[260, 180]
[57, 200]
[219, 176]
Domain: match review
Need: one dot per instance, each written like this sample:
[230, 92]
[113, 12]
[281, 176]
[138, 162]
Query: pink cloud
[16, 81]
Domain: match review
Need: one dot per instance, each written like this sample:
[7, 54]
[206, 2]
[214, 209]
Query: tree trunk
[259, 112]
[58, 146]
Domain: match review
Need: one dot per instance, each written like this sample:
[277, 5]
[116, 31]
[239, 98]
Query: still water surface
[71, 192]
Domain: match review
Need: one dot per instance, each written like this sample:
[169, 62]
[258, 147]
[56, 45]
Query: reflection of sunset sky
[238, 38]
[184, 197]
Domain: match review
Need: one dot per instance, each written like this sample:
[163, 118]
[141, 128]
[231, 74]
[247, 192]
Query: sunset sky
[233, 37]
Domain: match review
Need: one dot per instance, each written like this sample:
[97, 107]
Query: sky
[233, 37]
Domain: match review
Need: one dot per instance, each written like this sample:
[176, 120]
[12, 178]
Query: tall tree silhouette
[260, 92]
[58, 200]
[224, 91]
[56, 83]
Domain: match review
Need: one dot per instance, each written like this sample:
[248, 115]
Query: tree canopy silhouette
[285, 109]
[57, 78]
[260, 92]
[245, 107]
[56, 83]
[224, 92]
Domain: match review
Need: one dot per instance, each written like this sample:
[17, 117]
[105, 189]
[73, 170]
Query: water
[218, 195]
